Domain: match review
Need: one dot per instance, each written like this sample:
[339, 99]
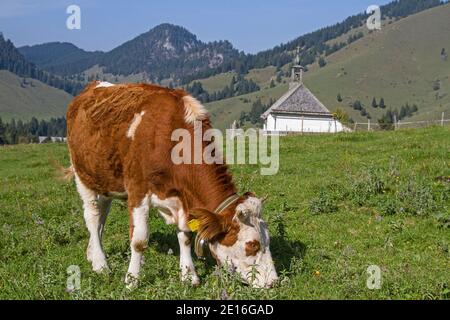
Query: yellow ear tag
[194, 225]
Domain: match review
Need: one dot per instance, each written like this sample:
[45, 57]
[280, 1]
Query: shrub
[369, 184]
[388, 206]
[280, 225]
[417, 198]
[325, 202]
[322, 62]
[436, 85]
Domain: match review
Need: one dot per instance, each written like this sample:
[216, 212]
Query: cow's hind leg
[186, 264]
[139, 239]
[104, 205]
[96, 209]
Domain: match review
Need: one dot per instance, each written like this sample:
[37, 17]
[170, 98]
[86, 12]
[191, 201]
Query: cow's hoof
[89, 254]
[100, 267]
[195, 281]
[131, 281]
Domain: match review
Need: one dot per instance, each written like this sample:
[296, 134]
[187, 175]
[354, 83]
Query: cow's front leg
[186, 264]
[139, 240]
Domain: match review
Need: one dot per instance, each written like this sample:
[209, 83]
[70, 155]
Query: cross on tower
[297, 58]
[297, 70]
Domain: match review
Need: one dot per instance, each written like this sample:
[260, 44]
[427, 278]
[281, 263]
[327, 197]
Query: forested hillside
[172, 53]
[401, 70]
[314, 44]
[12, 60]
[214, 72]
[60, 58]
[165, 52]
[16, 132]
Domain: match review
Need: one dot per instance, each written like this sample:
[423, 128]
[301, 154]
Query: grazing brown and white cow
[120, 146]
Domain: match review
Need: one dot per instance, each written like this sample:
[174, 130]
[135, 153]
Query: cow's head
[239, 240]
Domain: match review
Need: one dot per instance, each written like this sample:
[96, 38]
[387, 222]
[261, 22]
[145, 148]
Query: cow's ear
[210, 225]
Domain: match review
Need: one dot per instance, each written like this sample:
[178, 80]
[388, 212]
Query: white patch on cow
[104, 84]
[117, 195]
[194, 110]
[139, 240]
[96, 209]
[171, 209]
[134, 125]
[186, 264]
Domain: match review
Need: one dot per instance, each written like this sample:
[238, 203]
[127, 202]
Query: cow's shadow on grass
[283, 250]
[164, 242]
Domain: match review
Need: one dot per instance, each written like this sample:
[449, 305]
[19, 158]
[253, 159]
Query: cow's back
[109, 129]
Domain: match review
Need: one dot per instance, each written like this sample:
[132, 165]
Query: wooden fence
[398, 125]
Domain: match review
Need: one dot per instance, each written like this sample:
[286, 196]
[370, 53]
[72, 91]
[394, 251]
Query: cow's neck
[211, 185]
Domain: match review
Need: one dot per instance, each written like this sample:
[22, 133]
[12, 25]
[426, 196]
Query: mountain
[12, 60]
[168, 51]
[170, 54]
[315, 43]
[165, 52]
[401, 63]
[60, 58]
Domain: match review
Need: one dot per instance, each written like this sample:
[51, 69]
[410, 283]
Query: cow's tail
[62, 173]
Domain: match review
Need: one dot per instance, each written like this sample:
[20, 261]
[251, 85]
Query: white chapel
[299, 111]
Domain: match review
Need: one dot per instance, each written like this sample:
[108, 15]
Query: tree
[374, 103]
[272, 84]
[341, 116]
[2, 132]
[34, 125]
[436, 85]
[444, 54]
[28, 132]
[403, 113]
[386, 122]
[357, 105]
[279, 77]
[322, 62]
[254, 116]
[339, 97]
[382, 104]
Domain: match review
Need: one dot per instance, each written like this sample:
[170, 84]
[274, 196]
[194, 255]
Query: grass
[217, 82]
[338, 205]
[263, 76]
[39, 99]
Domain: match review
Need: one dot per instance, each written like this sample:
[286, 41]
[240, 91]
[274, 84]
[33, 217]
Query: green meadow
[339, 204]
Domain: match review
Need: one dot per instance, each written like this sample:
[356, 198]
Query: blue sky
[251, 25]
